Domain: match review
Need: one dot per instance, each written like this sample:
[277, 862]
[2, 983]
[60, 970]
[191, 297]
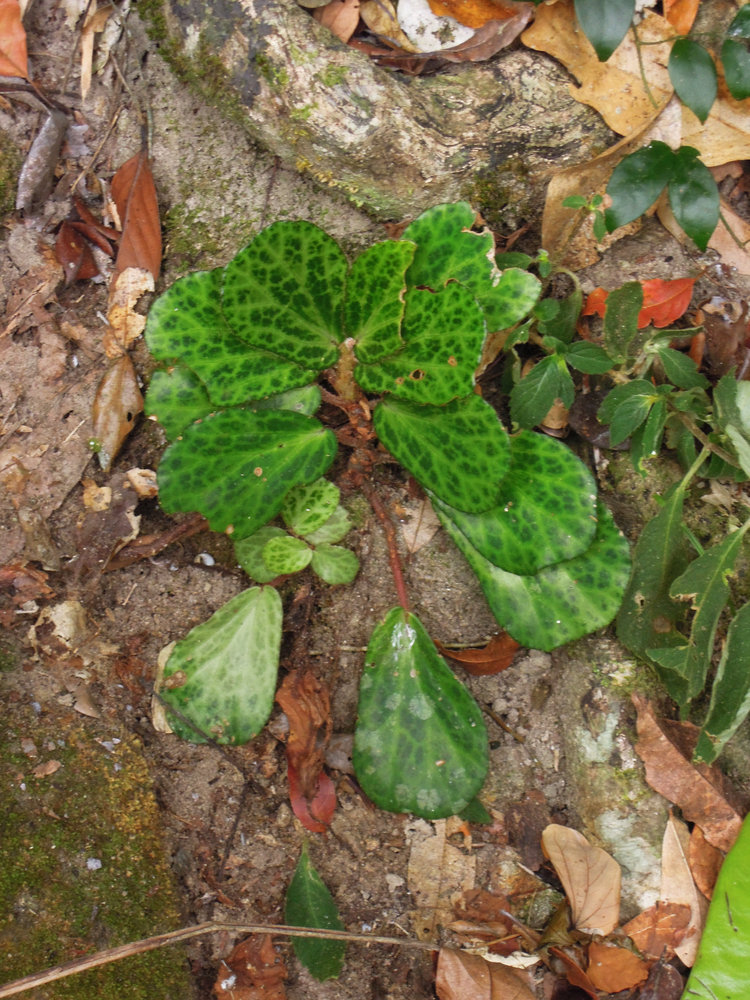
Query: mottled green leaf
[693, 76]
[187, 323]
[236, 466]
[694, 196]
[249, 553]
[334, 564]
[222, 675]
[286, 554]
[284, 293]
[305, 399]
[420, 744]
[443, 333]
[605, 23]
[532, 397]
[310, 904]
[374, 305]
[547, 512]
[621, 319]
[176, 398]
[307, 508]
[636, 183]
[459, 451]
[730, 694]
[562, 602]
[333, 530]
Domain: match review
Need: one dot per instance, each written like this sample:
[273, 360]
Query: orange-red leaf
[596, 302]
[316, 813]
[613, 969]
[252, 971]
[681, 14]
[659, 929]
[474, 13]
[74, 254]
[13, 59]
[134, 194]
[663, 301]
[496, 656]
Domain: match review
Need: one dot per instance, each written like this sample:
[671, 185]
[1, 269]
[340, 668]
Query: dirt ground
[561, 725]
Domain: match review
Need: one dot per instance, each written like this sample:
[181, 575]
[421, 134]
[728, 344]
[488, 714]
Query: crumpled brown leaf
[659, 929]
[493, 658]
[134, 194]
[590, 877]
[613, 969]
[677, 886]
[253, 970]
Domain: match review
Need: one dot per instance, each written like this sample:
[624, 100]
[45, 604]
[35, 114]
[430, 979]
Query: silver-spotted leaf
[249, 553]
[310, 904]
[547, 513]
[443, 333]
[307, 508]
[562, 602]
[420, 743]
[286, 554]
[337, 525]
[236, 466]
[186, 323]
[284, 293]
[334, 564]
[176, 398]
[459, 451]
[374, 305]
[222, 675]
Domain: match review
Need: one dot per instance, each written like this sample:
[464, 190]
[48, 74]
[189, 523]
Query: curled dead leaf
[134, 194]
[613, 969]
[493, 658]
[659, 929]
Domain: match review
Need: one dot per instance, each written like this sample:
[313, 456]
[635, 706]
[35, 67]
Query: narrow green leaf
[605, 23]
[307, 508]
[176, 398]
[310, 904]
[443, 333]
[514, 259]
[459, 451]
[249, 553]
[732, 411]
[693, 76]
[286, 554]
[236, 466]
[222, 675]
[562, 602]
[337, 525]
[548, 510]
[420, 744]
[284, 293]
[374, 305]
[636, 183]
[589, 358]
[334, 564]
[532, 397]
[730, 694]
[694, 196]
[621, 319]
[735, 58]
[680, 369]
[646, 441]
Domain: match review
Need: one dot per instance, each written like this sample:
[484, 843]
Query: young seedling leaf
[532, 397]
[459, 451]
[693, 75]
[334, 564]
[222, 675]
[561, 602]
[636, 183]
[177, 397]
[694, 196]
[590, 877]
[249, 553]
[420, 744]
[286, 554]
[334, 529]
[730, 694]
[621, 319]
[284, 293]
[547, 512]
[307, 508]
[310, 904]
[236, 466]
[187, 323]
[374, 305]
[605, 23]
[443, 333]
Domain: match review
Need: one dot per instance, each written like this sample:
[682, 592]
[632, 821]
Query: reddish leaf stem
[390, 536]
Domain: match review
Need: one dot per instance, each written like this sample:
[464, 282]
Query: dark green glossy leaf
[420, 743]
[222, 675]
[547, 513]
[629, 416]
[459, 451]
[693, 75]
[589, 358]
[310, 904]
[532, 397]
[621, 319]
[730, 694]
[562, 602]
[236, 466]
[284, 293]
[636, 183]
[443, 333]
[374, 305]
[694, 196]
[176, 397]
[735, 59]
[605, 23]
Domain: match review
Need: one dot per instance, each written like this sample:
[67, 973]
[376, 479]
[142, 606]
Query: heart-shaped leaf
[334, 564]
[605, 23]
[284, 293]
[249, 553]
[694, 196]
[562, 602]
[177, 397]
[443, 333]
[310, 904]
[459, 451]
[236, 466]
[374, 304]
[420, 744]
[307, 508]
[222, 675]
[547, 513]
[285, 554]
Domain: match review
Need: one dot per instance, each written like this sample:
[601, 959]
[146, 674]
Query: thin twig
[109, 955]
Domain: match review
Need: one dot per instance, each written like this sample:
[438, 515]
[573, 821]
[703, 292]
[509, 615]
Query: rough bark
[388, 142]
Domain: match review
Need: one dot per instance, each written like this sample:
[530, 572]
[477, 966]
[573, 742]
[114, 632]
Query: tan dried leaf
[677, 886]
[463, 976]
[381, 18]
[437, 873]
[590, 877]
[46, 769]
[705, 861]
[117, 403]
[339, 16]
[125, 324]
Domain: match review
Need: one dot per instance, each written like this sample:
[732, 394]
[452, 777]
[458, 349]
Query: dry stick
[390, 536]
[37, 979]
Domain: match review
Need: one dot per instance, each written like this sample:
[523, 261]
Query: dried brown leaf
[253, 970]
[339, 16]
[134, 195]
[493, 658]
[13, 58]
[463, 976]
[125, 324]
[74, 254]
[590, 877]
[703, 793]
[659, 929]
[437, 872]
[664, 983]
[705, 861]
[117, 403]
[613, 969]
[575, 974]
[677, 886]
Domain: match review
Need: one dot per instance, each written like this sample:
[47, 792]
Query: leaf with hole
[236, 466]
[459, 451]
[420, 743]
[222, 675]
[309, 903]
